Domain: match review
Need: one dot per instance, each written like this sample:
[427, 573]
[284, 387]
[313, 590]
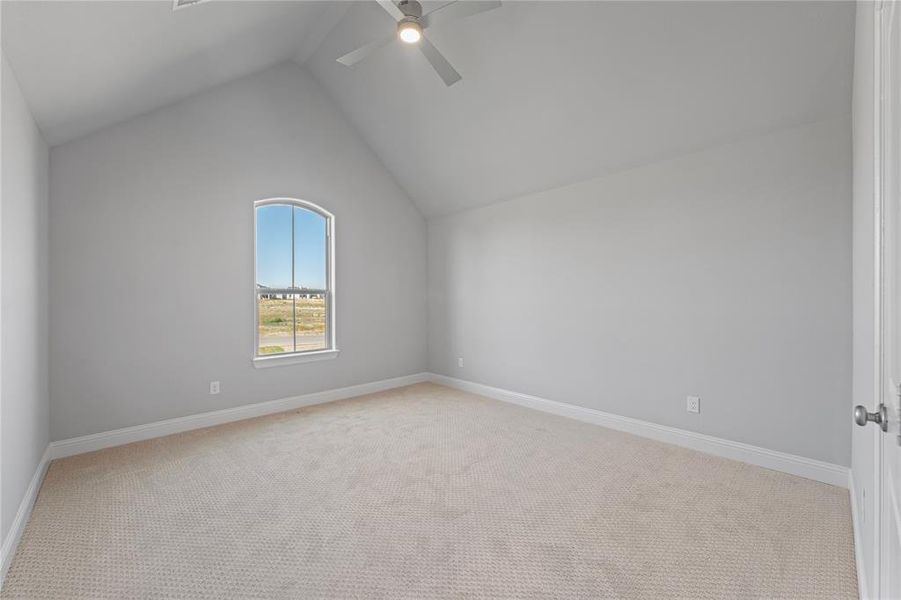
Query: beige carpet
[427, 492]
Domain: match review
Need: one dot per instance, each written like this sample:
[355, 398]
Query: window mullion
[293, 282]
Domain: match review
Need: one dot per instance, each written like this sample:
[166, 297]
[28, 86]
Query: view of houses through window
[292, 278]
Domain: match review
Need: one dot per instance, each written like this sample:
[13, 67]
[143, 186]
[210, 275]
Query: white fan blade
[458, 10]
[352, 58]
[438, 62]
[391, 8]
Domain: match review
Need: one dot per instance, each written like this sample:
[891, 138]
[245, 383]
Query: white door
[887, 416]
[889, 38]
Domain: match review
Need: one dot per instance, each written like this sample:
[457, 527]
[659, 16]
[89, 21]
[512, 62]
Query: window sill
[263, 362]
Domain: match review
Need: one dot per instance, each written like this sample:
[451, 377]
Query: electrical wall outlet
[460, 361]
[693, 405]
[214, 387]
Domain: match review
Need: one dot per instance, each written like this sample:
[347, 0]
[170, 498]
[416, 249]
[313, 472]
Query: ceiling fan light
[409, 31]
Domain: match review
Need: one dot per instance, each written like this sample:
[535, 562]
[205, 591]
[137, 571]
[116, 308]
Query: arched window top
[304, 204]
[293, 281]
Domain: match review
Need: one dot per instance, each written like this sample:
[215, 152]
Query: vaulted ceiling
[552, 92]
[556, 92]
[86, 64]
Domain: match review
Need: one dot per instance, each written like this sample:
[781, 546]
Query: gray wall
[24, 404]
[724, 274]
[151, 255]
[864, 439]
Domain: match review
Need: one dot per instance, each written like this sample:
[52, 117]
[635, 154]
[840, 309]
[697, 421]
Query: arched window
[294, 281]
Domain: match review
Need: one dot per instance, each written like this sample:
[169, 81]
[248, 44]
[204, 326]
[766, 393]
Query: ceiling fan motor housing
[410, 8]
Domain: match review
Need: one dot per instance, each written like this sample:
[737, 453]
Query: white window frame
[289, 358]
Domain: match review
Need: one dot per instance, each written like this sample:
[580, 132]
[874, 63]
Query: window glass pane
[274, 246]
[292, 280]
[311, 320]
[309, 249]
[275, 322]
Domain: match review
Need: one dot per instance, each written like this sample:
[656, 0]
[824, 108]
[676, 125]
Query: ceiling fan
[411, 24]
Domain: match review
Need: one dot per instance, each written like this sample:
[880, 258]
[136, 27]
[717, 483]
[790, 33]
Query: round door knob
[880, 417]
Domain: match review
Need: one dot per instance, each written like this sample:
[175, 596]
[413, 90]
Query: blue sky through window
[274, 246]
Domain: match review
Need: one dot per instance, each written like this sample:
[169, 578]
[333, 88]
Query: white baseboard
[755, 455]
[137, 433]
[11, 542]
